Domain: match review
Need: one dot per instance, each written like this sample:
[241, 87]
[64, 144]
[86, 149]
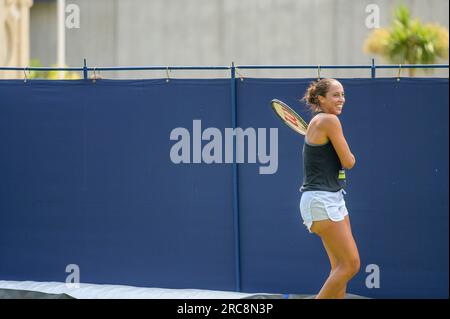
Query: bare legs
[333, 262]
[341, 248]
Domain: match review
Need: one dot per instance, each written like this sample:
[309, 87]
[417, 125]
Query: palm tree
[408, 41]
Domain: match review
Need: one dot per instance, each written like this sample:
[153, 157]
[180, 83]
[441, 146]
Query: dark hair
[315, 89]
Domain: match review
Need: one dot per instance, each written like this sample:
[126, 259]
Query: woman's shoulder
[325, 119]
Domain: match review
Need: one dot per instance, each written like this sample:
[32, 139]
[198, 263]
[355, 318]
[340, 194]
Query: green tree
[408, 41]
[50, 75]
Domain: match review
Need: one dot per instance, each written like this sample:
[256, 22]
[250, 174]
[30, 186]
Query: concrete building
[217, 32]
[14, 34]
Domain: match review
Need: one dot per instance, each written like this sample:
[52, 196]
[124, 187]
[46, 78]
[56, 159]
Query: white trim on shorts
[321, 205]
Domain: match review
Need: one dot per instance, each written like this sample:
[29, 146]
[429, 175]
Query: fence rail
[373, 67]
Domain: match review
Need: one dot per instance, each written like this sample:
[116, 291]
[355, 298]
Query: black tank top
[322, 169]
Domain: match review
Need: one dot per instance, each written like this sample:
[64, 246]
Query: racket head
[289, 116]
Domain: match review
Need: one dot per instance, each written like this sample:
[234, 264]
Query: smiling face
[334, 100]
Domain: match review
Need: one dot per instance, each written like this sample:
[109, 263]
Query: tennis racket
[289, 116]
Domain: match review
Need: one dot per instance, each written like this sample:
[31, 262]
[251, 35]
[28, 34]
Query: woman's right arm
[333, 128]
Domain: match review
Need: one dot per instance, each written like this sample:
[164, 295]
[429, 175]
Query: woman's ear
[321, 99]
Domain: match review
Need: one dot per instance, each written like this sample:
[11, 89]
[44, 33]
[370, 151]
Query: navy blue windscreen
[87, 179]
[397, 193]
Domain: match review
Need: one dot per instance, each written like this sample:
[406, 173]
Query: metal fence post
[237, 243]
[85, 71]
[373, 69]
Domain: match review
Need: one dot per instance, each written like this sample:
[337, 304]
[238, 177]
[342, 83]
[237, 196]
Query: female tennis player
[325, 156]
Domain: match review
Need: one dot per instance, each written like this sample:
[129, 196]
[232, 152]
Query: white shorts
[321, 205]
